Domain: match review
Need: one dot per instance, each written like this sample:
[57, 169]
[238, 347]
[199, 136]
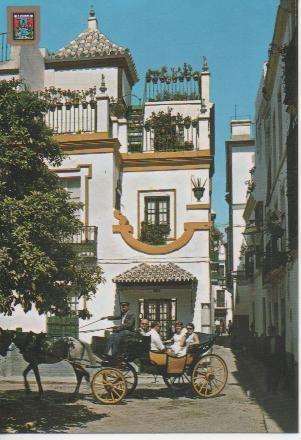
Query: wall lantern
[252, 235]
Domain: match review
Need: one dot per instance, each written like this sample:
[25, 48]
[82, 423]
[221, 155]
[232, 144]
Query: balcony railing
[72, 118]
[274, 261]
[85, 242]
[186, 140]
[4, 48]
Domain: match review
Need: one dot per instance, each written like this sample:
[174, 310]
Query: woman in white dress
[189, 339]
[176, 349]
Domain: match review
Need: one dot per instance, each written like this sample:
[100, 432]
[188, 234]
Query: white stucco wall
[82, 79]
[242, 162]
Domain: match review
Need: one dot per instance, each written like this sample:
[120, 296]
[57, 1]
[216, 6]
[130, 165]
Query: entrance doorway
[162, 310]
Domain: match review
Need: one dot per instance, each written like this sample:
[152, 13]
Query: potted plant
[155, 76]
[168, 79]
[162, 75]
[154, 234]
[273, 224]
[180, 74]
[198, 188]
[147, 126]
[195, 123]
[195, 75]
[148, 76]
[174, 75]
[187, 122]
[75, 98]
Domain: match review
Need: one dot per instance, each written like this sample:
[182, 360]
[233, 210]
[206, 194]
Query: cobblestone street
[242, 406]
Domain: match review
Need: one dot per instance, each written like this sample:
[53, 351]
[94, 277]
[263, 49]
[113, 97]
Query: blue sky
[233, 34]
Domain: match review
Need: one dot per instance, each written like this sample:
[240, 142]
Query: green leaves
[37, 264]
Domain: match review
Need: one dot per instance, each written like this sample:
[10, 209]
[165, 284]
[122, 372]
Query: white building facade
[132, 185]
[272, 207]
[239, 161]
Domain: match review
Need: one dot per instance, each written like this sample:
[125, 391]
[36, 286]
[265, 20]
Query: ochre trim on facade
[199, 206]
[92, 143]
[86, 188]
[162, 161]
[165, 168]
[126, 231]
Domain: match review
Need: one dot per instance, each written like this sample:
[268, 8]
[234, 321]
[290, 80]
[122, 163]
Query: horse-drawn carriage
[199, 369]
[204, 372]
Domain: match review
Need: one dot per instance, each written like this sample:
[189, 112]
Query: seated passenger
[156, 341]
[189, 339]
[176, 349]
[144, 327]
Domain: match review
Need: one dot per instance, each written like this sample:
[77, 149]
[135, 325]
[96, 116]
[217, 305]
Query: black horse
[40, 349]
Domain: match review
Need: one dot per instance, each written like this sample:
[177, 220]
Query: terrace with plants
[174, 84]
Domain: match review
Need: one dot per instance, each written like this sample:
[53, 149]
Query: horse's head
[6, 338]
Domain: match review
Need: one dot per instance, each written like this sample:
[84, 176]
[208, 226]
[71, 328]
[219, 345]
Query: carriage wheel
[109, 386]
[209, 375]
[131, 377]
[178, 383]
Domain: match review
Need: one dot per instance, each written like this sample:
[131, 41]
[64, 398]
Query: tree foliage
[37, 265]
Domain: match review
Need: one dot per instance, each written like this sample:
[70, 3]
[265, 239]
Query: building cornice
[164, 161]
[275, 54]
[198, 206]
[88, 143]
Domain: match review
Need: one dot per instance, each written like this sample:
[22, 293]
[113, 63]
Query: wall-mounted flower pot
[198, 192]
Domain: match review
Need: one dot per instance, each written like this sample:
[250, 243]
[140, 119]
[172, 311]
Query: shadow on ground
[57, 412]
[281, 407]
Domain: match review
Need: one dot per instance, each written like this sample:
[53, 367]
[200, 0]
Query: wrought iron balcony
[72, 117]
[85, 242]
[273, 261]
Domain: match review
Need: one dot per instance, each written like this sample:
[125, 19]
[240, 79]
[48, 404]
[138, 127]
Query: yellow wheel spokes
[109, 386]
[209, 376]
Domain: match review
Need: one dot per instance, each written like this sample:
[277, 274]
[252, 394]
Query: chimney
[241, 129]
[92, 20]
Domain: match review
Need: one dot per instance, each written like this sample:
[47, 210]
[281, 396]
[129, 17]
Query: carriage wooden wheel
[130, 376]
[178, 383]
[109, 386]
[209, 376]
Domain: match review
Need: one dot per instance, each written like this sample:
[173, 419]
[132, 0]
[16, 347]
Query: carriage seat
[173, 364]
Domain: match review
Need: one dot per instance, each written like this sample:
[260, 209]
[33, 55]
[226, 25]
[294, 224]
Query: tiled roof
[154, 273]
[91, 44]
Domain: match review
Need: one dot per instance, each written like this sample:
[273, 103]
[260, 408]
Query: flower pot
[162, 79]
[198, 192]
[155, 80]
[84, 104]
[93, 103]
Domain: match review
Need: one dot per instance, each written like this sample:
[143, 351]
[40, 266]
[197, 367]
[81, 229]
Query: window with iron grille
[157, 211]
[220, 298]
[162, 310]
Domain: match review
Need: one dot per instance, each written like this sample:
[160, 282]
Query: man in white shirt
[156, 341]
